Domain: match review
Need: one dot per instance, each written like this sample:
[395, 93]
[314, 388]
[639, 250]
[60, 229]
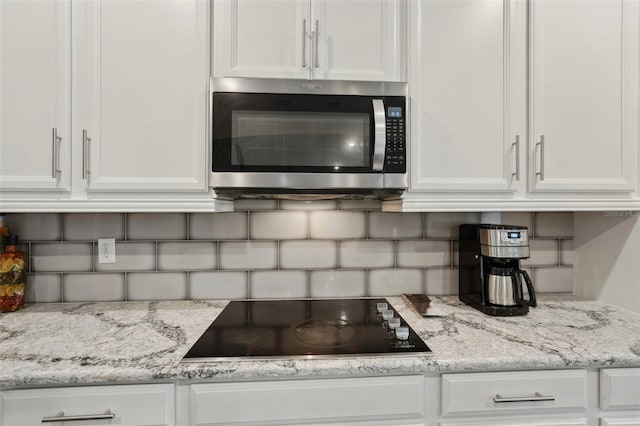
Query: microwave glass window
[289, 138]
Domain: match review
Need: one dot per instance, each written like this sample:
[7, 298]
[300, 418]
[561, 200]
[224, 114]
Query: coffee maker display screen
[513, 235]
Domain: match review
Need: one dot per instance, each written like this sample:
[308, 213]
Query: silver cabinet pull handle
[86, 140]
[316, 33]
[536, 397]
[60, 417]
[516, 145]
[541, 145]
[380, 134]
[304, 43]
[55, 157]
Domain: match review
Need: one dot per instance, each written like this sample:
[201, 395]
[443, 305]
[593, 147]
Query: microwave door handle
[379, 123]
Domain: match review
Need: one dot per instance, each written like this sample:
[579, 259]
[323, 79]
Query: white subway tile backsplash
[35, 226]
[156, 286]
[424, 253]
[553, 224]
[218, 226]
[337, 284]
[363, 205]
[519, 219]
[156, 226]
[247, 255]
[553, 280]
[567, 253]
[308, 254]
[278, 284]
[93, 287]
[441, 281]
[366, 254]
[91, 226]
[395, 226]
[445, 225]
[43, 288]
[186, 255]
[308, 205]
[391, 282]
[337, 225]
[218, 285]
[251, 205]
[455, 253]
[543, 253]
[61, 257]
[131, 256]
[278, 225]
[270, 249]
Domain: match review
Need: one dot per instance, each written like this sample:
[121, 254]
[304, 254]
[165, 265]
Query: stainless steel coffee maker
[490, 277]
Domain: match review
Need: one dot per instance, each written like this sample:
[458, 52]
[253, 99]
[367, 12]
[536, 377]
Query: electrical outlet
[106, 250]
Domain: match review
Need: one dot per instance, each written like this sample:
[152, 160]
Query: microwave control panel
[395, 149]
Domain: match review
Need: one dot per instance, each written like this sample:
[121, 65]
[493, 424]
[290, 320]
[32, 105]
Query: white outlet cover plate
[106, 250]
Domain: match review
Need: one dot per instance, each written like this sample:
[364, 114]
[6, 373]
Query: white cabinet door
[620, 388]
[620, 421]
[358, 40]
[261, 38]
[309, 39]
[583, 112]
[521, 421]
[369, 400]
[467, 88]
[128, 405]
[143, 73]
[35, 95]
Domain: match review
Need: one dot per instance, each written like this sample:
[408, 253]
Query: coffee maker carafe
[490, 277]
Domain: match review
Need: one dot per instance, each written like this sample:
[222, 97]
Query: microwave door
[295, 133]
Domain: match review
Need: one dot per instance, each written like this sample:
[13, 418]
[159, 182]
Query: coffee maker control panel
[502, 237]
[513, 237]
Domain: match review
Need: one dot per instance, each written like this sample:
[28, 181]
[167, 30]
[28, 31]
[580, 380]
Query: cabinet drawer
[133, 405]
[307, 401]
[513, 391]
[620, 421]
[620, 388]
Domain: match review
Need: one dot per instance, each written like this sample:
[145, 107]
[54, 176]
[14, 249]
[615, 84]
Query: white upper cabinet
[309, 39]
[497, 124]
[143, 78]
[358, 40]
[260, 38]
[35, 93]
[584, 61]
[467, 85]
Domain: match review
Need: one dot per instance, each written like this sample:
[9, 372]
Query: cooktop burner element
[306, 328]
[325, 332]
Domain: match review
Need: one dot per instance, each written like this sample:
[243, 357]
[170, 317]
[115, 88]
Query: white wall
[607, 266]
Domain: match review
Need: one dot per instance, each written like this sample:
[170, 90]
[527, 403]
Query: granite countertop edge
[144, 342]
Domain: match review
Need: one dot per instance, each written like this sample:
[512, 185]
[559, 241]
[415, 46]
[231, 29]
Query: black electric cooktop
[304, 328]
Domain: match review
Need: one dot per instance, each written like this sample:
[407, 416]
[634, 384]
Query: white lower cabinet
[391, 401]
[619, 421]
[527, 398]
[124, 405]
[521, 422]
[620, 396]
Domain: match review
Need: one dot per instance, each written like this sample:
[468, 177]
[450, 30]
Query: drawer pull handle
[60, 417]
[536, 397]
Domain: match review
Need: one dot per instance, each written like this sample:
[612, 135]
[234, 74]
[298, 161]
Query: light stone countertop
[126, 342]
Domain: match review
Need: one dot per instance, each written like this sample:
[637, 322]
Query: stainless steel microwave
[301, 137]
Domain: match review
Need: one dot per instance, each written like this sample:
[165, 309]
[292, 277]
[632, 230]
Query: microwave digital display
[513, 235]
[394, 112]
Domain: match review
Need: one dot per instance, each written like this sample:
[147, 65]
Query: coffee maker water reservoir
[490, 278]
